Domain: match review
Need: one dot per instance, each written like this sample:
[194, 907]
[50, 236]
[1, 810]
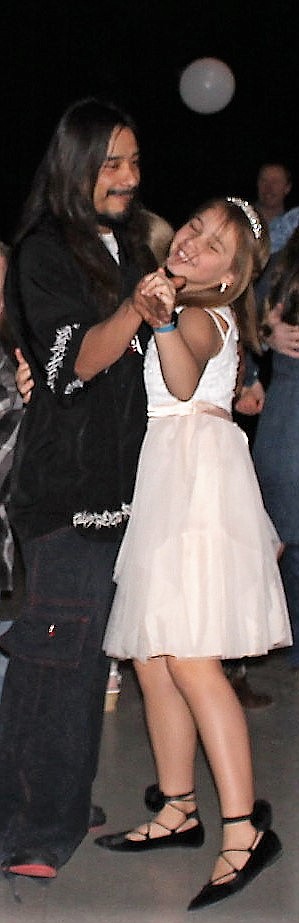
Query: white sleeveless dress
[196, 573]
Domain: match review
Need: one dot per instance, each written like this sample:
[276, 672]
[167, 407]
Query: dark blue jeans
[289, 566]
[53, 695]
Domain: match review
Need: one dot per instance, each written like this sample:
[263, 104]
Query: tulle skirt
[197, 574]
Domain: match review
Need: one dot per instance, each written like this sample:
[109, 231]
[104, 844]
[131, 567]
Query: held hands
[24, 381]
[284, 337]
[155, 295]
[153, 300]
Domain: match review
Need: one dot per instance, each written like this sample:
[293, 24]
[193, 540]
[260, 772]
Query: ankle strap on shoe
[261, 816]
[236, 820]
[188, 796]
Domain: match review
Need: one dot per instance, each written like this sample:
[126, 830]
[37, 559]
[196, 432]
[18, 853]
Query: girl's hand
[162, 287]
[154, 297]
[24, 380]
[158, 285]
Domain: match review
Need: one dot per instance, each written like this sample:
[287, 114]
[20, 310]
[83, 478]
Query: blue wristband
[166, 329]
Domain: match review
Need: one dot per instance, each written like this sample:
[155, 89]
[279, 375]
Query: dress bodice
[217, 383]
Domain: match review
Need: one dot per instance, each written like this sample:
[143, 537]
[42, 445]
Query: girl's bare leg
[223, 730]
[173, 738]
[181, 697]
[171, 726]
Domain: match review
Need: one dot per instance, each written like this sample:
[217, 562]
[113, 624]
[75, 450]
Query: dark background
[134, 51]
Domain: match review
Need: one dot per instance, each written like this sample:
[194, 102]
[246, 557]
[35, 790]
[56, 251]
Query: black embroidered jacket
[78, 445]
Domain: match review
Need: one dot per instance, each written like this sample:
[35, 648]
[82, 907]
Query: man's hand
[284, 337]
[251, 400]
[24, 380]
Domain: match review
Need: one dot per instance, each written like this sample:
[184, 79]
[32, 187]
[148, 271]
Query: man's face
[273, 186]
[119, 176]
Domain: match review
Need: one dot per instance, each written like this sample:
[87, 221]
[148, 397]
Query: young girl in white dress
[197, 576]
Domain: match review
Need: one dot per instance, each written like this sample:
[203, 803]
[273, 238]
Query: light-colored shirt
[282, 227]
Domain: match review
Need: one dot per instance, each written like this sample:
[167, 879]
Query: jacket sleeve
[49, 311]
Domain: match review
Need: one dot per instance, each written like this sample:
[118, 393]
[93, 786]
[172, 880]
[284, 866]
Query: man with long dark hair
[73, 304]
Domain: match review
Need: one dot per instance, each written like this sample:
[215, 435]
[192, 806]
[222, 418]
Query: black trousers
[53, 695]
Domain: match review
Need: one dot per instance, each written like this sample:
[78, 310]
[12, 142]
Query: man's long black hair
[63, 188]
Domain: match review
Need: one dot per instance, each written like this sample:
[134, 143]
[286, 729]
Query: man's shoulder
[44, 236]
[44, 250]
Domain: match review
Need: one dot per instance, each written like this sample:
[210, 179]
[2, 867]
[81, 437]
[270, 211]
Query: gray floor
[100, 886]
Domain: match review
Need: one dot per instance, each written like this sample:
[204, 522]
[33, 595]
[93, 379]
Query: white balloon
[207, 85]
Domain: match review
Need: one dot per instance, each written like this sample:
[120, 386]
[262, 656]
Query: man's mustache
[123, 192]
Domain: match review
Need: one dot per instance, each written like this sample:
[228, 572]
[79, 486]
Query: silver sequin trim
[58, 350]
[73, 385]
[106, 519]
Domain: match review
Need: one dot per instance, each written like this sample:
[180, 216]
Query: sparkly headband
[252, 216]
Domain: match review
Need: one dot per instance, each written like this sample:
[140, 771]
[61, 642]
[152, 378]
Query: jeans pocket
[47, 637]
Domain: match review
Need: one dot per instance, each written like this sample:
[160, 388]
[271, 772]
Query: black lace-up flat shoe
[192, 836]
[261, 853]
[154, 799]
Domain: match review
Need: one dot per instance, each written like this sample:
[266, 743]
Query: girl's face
[203, 250]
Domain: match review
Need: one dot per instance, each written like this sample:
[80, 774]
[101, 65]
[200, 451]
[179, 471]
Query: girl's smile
[206, 247]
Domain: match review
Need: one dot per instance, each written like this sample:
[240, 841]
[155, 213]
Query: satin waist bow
[182, 409]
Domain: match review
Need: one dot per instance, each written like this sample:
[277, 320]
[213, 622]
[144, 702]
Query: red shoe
[34, 866]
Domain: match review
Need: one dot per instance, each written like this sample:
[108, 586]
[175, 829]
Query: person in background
[11, 409]
[275, 451]
[274, 184]
[160, 235]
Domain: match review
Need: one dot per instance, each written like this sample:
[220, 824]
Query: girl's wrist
[165, 328]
